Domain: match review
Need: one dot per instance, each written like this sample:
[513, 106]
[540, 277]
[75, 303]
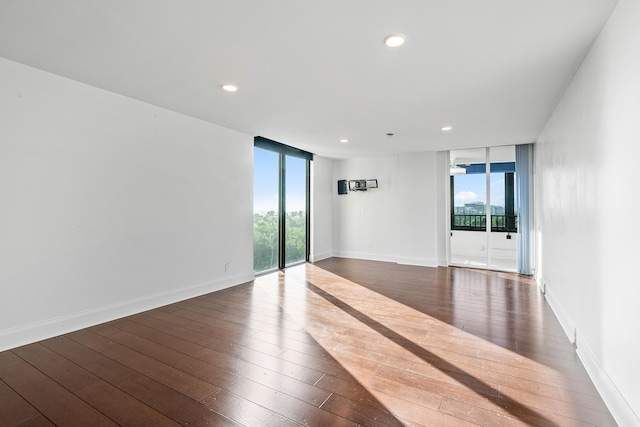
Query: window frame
[283, 151]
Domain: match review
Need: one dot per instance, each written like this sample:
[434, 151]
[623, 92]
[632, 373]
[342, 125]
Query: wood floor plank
[287, 406]
[215, 419]
[489, 418]
[204, 348]
[72, 350]
[305, 344]
[327, 365]
[111, 371]
[51, 399]
[14, 410]
[417, 414]
[359, 412]
[245, 412]
[351, 389]
[159, 336]
[165, 400]
[42, 421]
[8, 359]
[457, 386]
[422, 396]
[263, 364]
[523, 371]
[240, 315]
[182, 382]
[193, 366]
[121, 407]
[227, 331]
[191, 334]
[564, 409]
[62, 370]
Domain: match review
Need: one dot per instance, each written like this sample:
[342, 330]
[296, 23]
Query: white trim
[615, 401]
[33, 332]
[565, 321]
[487, 204]
[447, 212]
[321, 256]
[612, 397]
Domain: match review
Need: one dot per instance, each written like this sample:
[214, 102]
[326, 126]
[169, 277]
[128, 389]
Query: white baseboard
[33, 332]
[563, 317]
[615, 401]
[366, 256]
[321, 256]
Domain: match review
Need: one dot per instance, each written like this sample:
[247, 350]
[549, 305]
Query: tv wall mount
[356, 185]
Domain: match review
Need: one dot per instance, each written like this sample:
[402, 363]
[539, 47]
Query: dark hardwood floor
[337, 343]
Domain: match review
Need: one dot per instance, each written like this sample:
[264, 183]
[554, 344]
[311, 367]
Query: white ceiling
[313, 72]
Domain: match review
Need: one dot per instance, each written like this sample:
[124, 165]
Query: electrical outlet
[227, 267]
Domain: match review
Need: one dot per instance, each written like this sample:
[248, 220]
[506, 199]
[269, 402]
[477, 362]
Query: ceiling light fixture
[344, 140]
[446, 128]
[394, 40]
[229, 87]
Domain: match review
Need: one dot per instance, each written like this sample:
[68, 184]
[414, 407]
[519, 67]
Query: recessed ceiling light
[446, 128]
[344, 140]
[229, 87]
[394, 40]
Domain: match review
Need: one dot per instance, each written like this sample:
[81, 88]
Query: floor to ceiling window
[281, 205]
[483, 213]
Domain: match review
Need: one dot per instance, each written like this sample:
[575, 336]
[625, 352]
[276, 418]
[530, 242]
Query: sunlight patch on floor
[391, 345]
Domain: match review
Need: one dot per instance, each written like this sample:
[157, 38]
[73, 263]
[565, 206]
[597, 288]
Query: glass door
[266, 210]
[295, 190]
[503, 235]
[483, 214]
[468, 186]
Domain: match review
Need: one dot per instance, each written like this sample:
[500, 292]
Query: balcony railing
[473, 222]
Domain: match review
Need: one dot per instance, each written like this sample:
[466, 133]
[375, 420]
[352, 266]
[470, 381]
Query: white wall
[322, 189]
[417, 209]
[587, 202]
[111, 206]
[397, 222]
[364, 221]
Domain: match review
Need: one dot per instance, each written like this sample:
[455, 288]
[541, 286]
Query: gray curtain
[524, 166]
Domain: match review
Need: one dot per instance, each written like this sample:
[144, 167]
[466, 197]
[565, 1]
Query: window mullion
[283, 211]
